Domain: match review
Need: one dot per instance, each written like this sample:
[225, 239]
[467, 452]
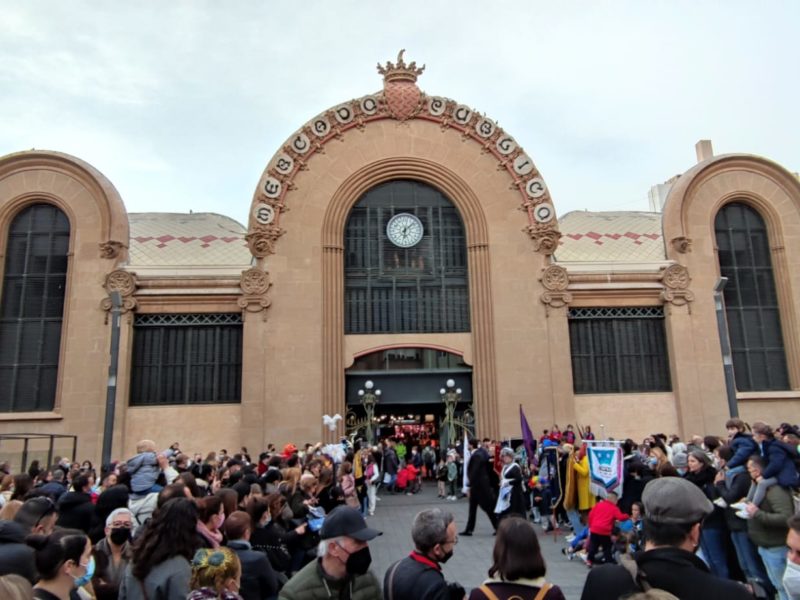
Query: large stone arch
[688, 221]
[307, 190]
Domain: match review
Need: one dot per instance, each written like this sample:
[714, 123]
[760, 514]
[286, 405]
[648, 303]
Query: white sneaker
[739, 505]
[742, 514]
[721, 503]
[569, 538]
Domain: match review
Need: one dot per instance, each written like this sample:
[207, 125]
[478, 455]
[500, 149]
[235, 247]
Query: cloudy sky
[181, 104]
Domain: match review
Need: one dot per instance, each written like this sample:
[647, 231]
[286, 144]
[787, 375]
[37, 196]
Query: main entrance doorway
[406, 392]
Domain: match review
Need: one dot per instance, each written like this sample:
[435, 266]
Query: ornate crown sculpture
[400, 71]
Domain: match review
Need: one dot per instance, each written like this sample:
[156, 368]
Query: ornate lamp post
[451, 396]
[369, 399]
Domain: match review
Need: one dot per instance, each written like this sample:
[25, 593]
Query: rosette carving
[123, 282]
[262, 238]
[255, 285]
[676, 280]
[555, 280]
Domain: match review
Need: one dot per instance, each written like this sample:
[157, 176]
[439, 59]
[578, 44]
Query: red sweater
[603, 516]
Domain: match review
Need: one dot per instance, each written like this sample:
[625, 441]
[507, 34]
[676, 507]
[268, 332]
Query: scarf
[214, 537]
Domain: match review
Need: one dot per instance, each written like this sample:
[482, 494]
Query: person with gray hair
[112, 554]
[419, 575]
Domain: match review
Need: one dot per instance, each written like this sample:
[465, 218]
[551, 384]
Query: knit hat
[680, 460]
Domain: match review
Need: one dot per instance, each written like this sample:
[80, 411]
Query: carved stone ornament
[254, 284]
[676, 283]
[555, 278]
[545, 239]
[111, 249]
[262, 239]
[556, 299]
[123, 282]
[682, 244]
[401, 100]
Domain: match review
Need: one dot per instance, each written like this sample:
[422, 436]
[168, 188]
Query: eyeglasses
[453, 541]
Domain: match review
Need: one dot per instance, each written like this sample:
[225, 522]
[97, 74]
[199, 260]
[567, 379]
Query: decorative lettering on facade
[402, 100]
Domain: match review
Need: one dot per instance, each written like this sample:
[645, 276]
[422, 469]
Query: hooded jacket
[16, 557]
[75, 511]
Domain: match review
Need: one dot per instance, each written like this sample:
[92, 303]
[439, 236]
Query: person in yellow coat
[580, 465]
[571, 500]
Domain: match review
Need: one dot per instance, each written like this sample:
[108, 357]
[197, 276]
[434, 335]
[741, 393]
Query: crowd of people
[705, 518]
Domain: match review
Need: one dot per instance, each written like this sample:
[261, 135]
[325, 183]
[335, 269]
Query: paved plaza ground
[472, 557]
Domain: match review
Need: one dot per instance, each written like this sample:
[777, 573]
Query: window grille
[618, 350]
[32, 308]
[395, 290]
[751, 300]
[186, 359]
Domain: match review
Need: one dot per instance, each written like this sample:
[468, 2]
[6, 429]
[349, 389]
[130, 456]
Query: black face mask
[358, 562]
[120, 536]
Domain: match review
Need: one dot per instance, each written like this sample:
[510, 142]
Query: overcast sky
[182, 104]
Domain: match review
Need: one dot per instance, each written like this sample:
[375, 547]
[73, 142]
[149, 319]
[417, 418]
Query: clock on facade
[404, 230]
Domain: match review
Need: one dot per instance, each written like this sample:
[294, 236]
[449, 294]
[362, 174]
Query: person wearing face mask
[112, 554]
[791, 576]
[419, 575]
[210, 518]
[342, 567]
[64, 561]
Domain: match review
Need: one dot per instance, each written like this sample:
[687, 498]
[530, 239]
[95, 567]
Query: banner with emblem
[605, 468]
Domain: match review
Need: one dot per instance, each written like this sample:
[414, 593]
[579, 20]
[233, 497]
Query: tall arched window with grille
[410, 275]
[751, 300]
[32, 308]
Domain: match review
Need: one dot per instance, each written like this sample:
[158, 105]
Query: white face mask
[791, 579]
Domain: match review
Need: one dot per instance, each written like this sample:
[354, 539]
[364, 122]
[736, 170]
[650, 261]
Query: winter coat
[168, 580]
[144, 471]
[743, 446]
[704, 479]
[513, 475]
[75, 511]
[586, 500]
[108, 576]
[16, 557]
[603, 516]
[390, 461]
[480, 478]
[732, 490]
[780, 463]
[767, 528]
[259, 581]
[417, 577]
[311, 583]
[671, 569]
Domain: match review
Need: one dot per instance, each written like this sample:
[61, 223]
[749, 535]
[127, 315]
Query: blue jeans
[575, 520]
[775, 563]
[747, 553]
[712, 543]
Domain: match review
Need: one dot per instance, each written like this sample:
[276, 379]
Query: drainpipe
[111, 388]
[725, 344]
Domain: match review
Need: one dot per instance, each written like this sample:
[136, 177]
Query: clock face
[404, 230]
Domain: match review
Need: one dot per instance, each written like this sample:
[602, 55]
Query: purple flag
[527, 436]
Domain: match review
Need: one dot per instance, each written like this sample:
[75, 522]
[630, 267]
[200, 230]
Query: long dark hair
[516, 553]
[52, 551]
[171, 532]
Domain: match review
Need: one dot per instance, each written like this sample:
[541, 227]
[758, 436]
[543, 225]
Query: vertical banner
[465, 485]
[527, 436]
[605, 469]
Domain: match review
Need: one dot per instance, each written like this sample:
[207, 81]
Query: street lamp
[451, 396]
[369, 399]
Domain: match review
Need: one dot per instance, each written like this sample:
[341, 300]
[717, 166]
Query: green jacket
[767, 528]
[311, 583]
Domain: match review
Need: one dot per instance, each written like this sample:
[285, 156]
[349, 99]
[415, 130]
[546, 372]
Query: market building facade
[404, 239]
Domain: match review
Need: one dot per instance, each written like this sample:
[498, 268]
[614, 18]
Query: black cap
[347, 521]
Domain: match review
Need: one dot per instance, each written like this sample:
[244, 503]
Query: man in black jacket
[259, 581]
[480, 490]
[16, 557]
[75, 508]
[419, 575]
[674, 510]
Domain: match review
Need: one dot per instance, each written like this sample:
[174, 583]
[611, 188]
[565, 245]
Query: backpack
[640, 579]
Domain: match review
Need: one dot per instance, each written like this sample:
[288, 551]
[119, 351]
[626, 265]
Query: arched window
[409, 276]
[32, 308]
[751, 302]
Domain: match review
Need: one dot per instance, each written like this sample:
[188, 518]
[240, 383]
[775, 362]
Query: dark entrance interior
[410, 381]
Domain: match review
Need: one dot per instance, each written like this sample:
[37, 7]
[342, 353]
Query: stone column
[333, 400]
